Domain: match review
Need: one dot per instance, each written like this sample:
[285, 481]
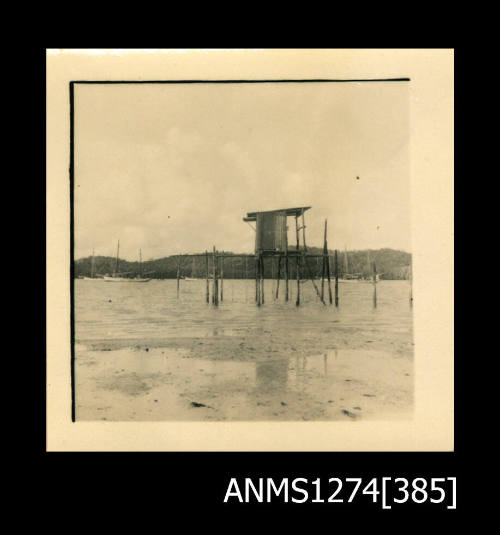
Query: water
[143, 354]
[105, 311]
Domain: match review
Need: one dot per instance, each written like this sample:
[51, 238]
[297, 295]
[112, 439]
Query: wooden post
[306, 262]
[222, 278]
[329, 280]
[92, 265]
[278, 279]
[234, 278]
[178, 273]
[208, 284]
[323, 270]
[287, 273]
[216, 277]
[272, 274]
[246, 277]
[262, 279]
[374, 285]
[257, 279]
[336, 279]
[304, 230]
[327, 263]
[214, 289]
[297, 302]
[117, 257]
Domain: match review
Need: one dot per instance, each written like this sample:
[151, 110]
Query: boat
[369, 267]
[116, 278]
[124, 279]
[93, 275]
[348, 277]
[192, 278]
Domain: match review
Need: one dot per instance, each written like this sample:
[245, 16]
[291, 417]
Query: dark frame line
[72, 241]
[267, 81]
[72, 169]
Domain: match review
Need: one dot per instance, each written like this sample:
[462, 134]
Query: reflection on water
[244, 362]
[164, 383]
[271, 375]
[142, 311]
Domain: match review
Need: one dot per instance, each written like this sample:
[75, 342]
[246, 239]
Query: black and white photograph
[241, 249]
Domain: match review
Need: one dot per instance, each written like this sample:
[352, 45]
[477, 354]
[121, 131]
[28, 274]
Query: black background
[134, 489]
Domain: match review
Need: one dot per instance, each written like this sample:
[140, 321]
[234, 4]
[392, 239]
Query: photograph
[241, 250]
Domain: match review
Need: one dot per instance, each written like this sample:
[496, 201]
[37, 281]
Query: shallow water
[143, 354]
[141, 311]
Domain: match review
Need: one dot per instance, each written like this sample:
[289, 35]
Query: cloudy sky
[173, 168]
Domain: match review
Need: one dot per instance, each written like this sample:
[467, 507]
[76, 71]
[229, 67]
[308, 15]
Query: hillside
[391, 264]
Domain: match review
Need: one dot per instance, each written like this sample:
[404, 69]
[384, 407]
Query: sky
[173, 168]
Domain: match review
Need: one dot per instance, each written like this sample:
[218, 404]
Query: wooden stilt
[257, 279]
[336, 279]
[262, 279]
[329, 280]
[278, 279]
[312, 280]
[287, 274]
[246, 277]
[178, 275]
[323, 269]
[311, 276]
[272, 274]
[207, 275]
[222, 278]
[233, 271]
[215, 291]
[327, 262]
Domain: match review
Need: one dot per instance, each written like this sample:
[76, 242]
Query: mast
[117, 257]
[346, 264]
[92, 265]
[140, 263]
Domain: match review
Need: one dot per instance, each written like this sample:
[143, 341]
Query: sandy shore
[343, 373]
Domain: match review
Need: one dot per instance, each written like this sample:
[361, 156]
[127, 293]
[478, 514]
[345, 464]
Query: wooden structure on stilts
[271, 242]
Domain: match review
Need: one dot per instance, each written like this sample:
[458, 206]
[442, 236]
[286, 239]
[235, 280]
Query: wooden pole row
[218, 275]
[259, 275]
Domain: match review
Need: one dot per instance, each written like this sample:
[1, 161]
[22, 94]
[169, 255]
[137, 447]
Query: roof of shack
[252, 216]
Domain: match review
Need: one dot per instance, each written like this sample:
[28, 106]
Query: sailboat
[116, 278]
[369, 268]
[348, 277]
[192, 278]
[92, 270]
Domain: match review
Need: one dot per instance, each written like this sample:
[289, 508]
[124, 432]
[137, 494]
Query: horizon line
[229, 253]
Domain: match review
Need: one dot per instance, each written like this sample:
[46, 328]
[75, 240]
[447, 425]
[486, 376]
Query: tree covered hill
[390, 263]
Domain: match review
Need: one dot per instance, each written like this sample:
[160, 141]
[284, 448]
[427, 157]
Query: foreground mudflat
[143, 355]
[166, 384]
